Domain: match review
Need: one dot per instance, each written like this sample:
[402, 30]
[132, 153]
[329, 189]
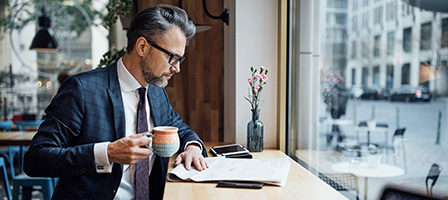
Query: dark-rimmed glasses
[174, 58]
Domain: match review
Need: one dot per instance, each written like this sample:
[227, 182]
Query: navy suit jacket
[88, 109]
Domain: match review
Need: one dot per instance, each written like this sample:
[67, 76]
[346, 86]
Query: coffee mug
[165, 140]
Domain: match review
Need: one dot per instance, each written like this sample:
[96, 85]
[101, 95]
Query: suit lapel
[117, 102]
[154, 104]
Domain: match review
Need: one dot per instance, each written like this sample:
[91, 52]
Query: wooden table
[16, 138]
[301, 184]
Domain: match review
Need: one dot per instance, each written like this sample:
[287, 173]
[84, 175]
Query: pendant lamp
[44, 40]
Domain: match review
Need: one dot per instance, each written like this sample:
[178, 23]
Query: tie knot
[141, 91]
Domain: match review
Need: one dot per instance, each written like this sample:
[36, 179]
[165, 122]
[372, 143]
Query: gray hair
[154, 22]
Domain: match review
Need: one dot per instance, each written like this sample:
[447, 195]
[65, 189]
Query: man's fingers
[187, 162]
[198, 165]
[178, 160]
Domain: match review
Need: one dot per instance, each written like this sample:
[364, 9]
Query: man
[91, 137]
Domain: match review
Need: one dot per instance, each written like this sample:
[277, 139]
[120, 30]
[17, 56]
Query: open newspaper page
[270, 171]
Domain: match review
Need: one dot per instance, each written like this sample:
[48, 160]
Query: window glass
[407, 39]
[382, 96]
[390, 42]
[425, 36]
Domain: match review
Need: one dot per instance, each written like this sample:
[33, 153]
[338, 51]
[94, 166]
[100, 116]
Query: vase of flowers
[255, 126]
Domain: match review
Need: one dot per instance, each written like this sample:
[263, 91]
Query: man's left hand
[192, 155]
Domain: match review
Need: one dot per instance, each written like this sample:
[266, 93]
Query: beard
[151, 78]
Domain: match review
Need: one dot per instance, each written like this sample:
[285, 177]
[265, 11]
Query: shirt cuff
[101, 158]
[193, 142]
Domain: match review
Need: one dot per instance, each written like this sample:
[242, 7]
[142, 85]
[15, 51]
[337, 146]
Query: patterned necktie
[142, 167]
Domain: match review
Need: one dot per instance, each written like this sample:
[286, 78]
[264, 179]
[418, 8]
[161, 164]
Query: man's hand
[129, 150]
[192, 155]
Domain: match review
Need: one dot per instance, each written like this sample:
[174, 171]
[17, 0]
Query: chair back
[399, 133]
[433, 175]
[341, 181]
[392, 193]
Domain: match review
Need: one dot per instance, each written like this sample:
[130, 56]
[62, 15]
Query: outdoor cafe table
[362, 169]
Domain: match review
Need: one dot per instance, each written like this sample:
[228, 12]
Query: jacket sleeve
[54, 150]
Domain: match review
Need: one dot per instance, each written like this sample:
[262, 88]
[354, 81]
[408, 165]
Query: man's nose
[175, 68]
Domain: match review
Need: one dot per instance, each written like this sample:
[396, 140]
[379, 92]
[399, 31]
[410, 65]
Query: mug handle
[148, 134]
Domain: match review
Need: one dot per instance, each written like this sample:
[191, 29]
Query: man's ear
[142, 47]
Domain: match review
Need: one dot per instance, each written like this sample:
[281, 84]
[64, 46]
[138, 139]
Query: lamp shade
[44, 40]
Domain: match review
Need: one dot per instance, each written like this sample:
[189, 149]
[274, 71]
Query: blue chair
[28, 124]
[24, 183]
[6, 125]
[10, 152]
[5, 177]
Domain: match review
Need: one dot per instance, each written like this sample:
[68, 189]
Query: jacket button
[114, 191]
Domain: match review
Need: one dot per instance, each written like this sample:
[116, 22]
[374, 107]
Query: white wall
[251, 40]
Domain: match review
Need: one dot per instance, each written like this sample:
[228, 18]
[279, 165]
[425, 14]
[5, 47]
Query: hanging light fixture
[44, 40]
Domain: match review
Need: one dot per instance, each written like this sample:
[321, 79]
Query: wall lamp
[203, 27]
[44, 40]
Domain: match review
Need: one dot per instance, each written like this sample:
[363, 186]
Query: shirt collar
[127, 82]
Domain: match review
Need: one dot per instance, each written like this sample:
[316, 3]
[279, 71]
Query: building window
[376, 75]
[445, 32]
[390, 76]
[353, 77]
[337, 3]
[405, 74]
[365, 49]
[354, 23]
[407, 39]
[390, 42]
[377, 46]
[378, 15]
[354, 51]
[341, 18]
[365, 76]
[391, 10]
[365, 19]
[425, 36]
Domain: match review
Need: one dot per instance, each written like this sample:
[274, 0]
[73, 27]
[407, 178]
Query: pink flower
[262, 68]
[257, 87]
[264, 78]
[255, 90]
[257, 75]
[250, 80]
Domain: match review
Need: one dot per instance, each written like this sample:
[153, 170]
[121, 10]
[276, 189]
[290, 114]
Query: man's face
[155, 67]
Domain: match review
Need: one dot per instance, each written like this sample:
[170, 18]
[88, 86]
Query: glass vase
[255, 133]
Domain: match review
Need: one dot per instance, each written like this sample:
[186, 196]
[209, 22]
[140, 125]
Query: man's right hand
[129, 150]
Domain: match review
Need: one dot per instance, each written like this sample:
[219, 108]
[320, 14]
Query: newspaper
[269, 171]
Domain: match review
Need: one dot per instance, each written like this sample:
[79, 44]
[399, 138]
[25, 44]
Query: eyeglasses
[174, 58]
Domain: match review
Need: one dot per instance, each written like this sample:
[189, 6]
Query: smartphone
[226, 150]
[237, 184]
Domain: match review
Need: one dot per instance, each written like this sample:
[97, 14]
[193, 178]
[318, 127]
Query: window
[407, 39]
[341, 18]
[444, 32]
[405, 74]
[365, 76]
[390, 77]
[378, 15]
[390, 42]
[354, 51]
[353, 76]
[355, 23]
[391, 11]
[425, 36]
[377, 46]
[370, 81]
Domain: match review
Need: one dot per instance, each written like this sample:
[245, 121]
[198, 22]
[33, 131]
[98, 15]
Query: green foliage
[22, 13]
[111, 57]
[117, 8]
